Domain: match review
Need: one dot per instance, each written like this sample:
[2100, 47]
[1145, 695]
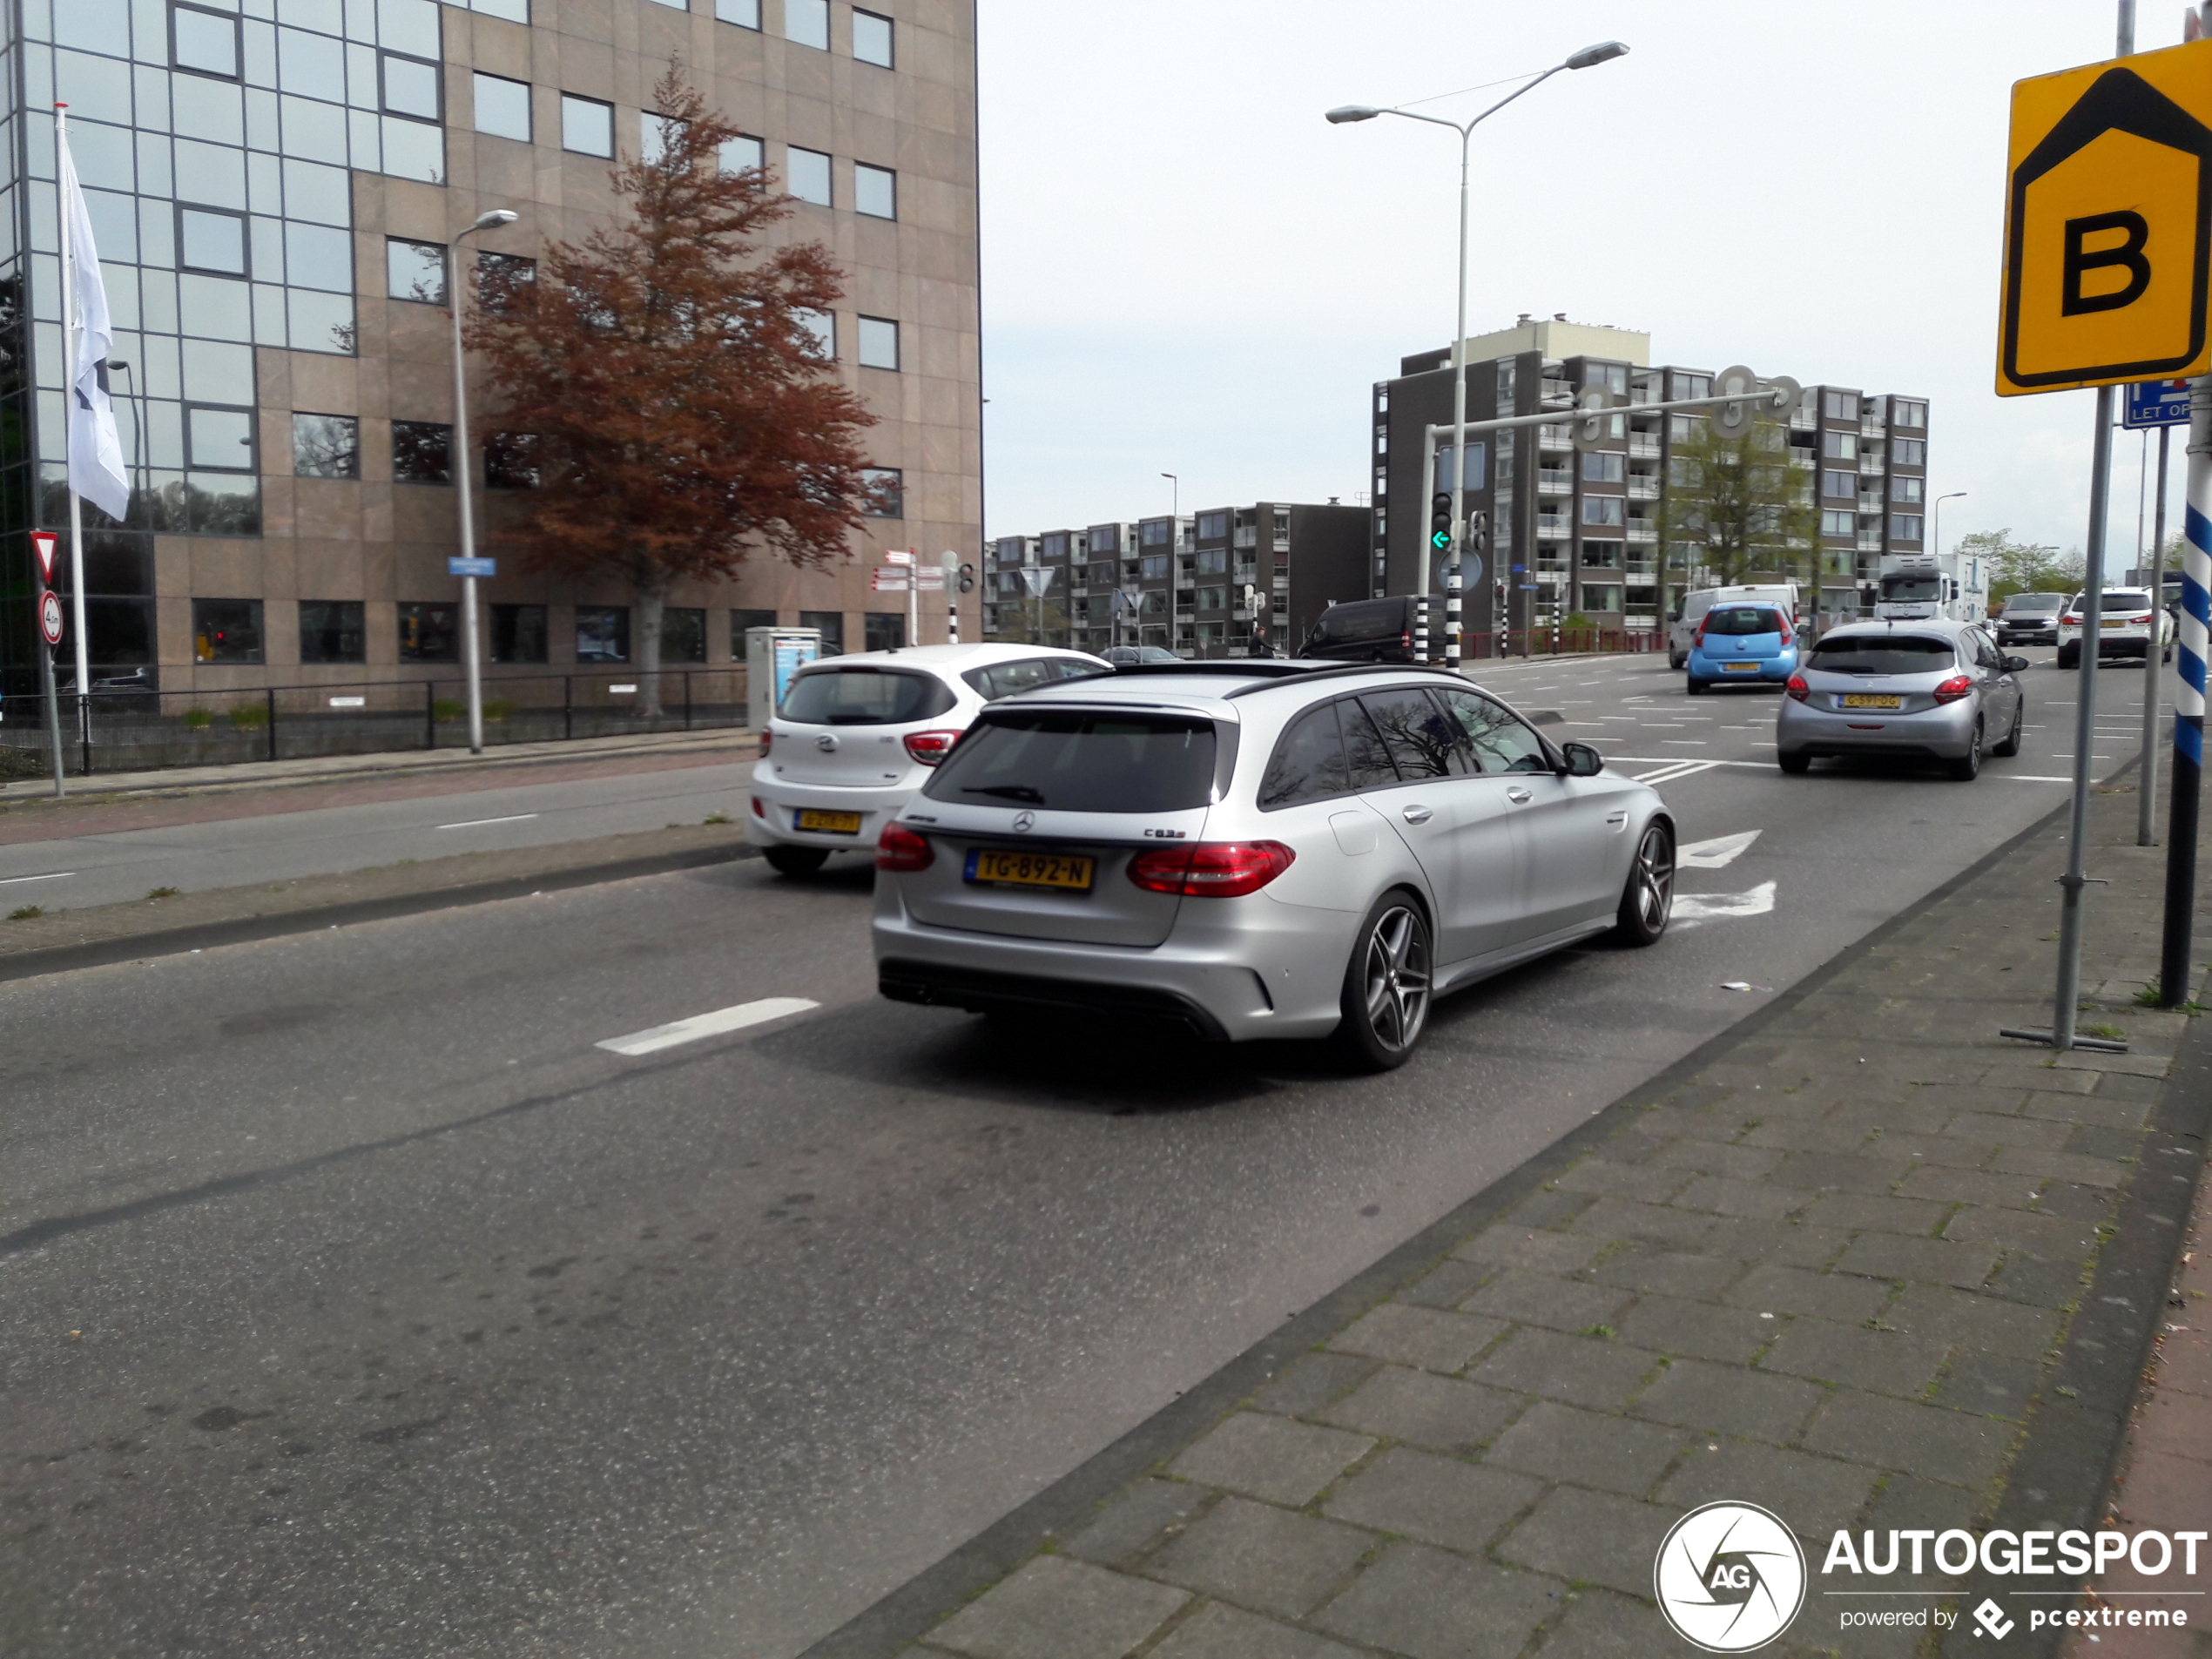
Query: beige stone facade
[385, 543]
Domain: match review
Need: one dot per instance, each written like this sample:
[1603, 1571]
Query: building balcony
[1868, 429]
[1870, 464]
[1555, 481]
[1246, 535]
[1556, 391]
[1555, 437]
[1647, 534]
[1557, 527]
[1805, 420]
[1643, 488]
[1869, 540]
[1871, 501]
[1643, 446]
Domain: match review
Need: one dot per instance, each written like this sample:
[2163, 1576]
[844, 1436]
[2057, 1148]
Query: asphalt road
[353, 1301]
[277, 845]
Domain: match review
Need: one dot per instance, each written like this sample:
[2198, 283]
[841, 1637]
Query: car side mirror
[2016, 664]
[1582, 761]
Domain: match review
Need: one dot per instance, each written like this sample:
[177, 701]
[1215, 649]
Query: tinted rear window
[864, 696]
[1004, 679]
[2126, 599]
[1881, 654]
[1081, 763]
[1743, 619]
[1361, 621]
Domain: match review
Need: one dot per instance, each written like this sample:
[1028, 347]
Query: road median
[35, 944]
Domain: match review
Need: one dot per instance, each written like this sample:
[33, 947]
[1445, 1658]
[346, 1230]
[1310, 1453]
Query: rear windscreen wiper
[1009, 792]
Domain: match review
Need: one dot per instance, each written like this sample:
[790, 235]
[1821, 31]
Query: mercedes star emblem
[1024, 822]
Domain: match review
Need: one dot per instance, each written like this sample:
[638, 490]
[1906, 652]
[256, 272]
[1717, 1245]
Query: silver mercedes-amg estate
[1258, 849]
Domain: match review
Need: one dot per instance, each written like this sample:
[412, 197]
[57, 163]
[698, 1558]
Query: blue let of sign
[471, 566]
[2156, 403]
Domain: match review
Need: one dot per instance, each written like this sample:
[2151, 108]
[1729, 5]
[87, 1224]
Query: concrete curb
[171, 941]
[886, 1629]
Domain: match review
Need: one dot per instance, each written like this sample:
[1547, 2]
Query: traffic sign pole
[2188, 707]
[2085, 732]
[2147, 783]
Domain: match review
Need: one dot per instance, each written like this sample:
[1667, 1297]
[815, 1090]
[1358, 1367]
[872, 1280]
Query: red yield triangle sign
[42, 543]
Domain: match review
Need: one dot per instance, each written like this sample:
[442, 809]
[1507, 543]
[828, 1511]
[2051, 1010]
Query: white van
[1682, 627]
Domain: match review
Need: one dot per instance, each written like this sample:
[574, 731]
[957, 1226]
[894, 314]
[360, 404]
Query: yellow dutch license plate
[1064, 870]
[1870, 700]
[1739, 668]
[832, 823]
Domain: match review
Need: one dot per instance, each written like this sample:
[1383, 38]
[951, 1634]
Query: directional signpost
[43, 543]
[2156, 403]
[2107, 267]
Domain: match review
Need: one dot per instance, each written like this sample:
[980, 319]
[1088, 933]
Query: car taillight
[930, 747]
[2072, 620]
[1211, 869]
[1786, 635]
[2132, 621]
[1954, 688]
[1701, 633]
[767, 737]
[758, 811]
[899, 848]
[1796, 687]
[1404, 641]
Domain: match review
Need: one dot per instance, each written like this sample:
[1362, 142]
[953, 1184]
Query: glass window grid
[745, 13]
[808, 175]
[879, 343]
[400, 68]
[875, 190]
[586, 122]
[875, 39]
[496, 105]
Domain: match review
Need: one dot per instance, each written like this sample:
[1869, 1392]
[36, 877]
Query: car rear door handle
[1417, 814]
[1518, 795]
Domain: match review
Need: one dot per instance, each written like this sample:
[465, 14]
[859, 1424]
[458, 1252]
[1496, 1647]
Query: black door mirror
[1582, 761]
[2016, 664]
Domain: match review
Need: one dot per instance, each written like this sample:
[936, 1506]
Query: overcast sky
[1186, 270]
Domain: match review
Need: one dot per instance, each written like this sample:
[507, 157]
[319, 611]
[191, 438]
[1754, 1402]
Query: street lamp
[1604, 52]
[471, 652]
[1935, 520]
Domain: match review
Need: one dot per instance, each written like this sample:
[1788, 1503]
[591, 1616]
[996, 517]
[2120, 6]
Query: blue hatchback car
[1746, 645]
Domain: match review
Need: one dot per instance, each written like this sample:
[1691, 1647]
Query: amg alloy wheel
[1386, 985]
[1649, 898]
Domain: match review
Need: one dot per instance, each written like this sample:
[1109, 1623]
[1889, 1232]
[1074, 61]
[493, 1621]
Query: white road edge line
[477, 822]
[707, 1025]
[57, 875]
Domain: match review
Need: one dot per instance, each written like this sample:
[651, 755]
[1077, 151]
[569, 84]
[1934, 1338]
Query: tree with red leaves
[667, 382]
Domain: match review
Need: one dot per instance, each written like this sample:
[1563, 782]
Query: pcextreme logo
[1730, 1578]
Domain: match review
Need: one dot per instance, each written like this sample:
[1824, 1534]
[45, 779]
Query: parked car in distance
[856, 737]
[2030, 619]
[1928, 690]
[1122, 656]
[1739, 644]
[1258, 849]
[1682, 627]
[2129, 620]
[1372, 631]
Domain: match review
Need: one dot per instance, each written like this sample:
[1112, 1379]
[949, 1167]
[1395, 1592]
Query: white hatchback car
[855, 737]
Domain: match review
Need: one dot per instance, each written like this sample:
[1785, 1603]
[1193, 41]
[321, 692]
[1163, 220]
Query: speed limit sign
[49, 618]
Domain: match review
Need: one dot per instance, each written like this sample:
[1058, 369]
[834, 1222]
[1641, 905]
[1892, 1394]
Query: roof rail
[1338, 671]
[1274, 667]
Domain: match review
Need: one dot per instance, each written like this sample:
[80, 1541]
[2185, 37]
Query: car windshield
[1081, 763]
[1743, 619]
[1880, 654]
[1353, 623]
[1915, 588]
[2022, 603]
[864, 696]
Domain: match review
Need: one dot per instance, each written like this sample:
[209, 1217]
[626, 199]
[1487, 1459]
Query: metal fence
[130, 730]
[1550, 642]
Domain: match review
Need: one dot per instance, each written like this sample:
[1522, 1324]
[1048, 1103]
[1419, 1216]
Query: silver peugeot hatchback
[1258, 849]
[1925, 690]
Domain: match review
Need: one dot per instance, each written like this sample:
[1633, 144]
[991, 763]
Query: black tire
[795, 861]
[1386, 985]
[1647, 898]
[2069, 657]
[2011, 745]
[1675, 660]
[1967, 766]
[1693, 685]
[1794, 764]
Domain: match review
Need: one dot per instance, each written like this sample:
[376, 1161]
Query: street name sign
[897, 557]
[2108, 223]
[458, 566]
[2156, 403]
[889, 578]
[929, 579]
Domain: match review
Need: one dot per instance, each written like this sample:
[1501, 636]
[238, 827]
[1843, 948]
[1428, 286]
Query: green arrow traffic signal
[1440, 539]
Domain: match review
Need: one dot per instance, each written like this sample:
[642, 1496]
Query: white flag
[95, 452]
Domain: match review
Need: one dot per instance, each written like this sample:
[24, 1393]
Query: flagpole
[73, 325]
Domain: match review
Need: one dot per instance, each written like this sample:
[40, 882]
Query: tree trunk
[652, 604]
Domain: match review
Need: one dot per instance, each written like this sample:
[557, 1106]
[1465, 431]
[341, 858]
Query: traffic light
[1440, 520]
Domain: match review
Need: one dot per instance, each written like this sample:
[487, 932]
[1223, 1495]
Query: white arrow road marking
[1722, 850]
[1757, 902]
[708, 1025]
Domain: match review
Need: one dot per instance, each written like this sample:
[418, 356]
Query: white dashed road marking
[477, 822]
[707, 1025]
[53, 875]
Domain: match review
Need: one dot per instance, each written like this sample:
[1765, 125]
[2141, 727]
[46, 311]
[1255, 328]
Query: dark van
[1372, 631]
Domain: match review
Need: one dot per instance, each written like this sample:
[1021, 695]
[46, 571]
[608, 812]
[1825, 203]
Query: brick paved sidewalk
[1861, 1261]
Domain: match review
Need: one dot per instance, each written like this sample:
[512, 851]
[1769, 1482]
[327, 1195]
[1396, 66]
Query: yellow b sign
[2108, 223]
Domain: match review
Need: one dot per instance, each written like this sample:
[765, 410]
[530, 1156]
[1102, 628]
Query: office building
[1202, 584]
[1579, 534]
[276, 186]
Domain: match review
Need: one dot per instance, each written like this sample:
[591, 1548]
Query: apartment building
[1574, 534]
[276, 187]
[1202, 584]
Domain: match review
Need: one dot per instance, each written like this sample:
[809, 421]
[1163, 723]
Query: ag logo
[1729, 1577]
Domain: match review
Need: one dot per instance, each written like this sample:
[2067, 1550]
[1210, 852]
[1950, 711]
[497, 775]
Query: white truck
[1918, 586]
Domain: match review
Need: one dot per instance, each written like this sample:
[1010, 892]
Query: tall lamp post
[1604, 52]
[1935, 524]
[464, 472]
